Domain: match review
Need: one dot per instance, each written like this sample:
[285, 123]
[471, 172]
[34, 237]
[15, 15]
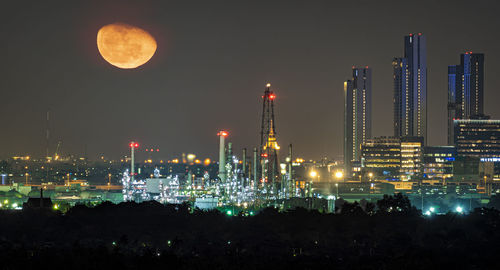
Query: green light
[251, 213]
[229, 212]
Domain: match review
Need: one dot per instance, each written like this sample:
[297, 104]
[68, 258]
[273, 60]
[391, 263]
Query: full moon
[125, 46]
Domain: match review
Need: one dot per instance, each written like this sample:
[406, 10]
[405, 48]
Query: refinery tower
[269, 169]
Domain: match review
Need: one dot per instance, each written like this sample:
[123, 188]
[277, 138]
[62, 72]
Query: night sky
[211, 66]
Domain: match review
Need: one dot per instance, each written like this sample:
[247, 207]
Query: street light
[370, 175]
[312, 174]
[339, 175]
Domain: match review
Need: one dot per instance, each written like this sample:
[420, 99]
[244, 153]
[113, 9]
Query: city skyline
[208, 133]
[304, 57]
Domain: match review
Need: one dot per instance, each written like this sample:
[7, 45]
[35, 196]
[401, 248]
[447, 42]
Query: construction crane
[56, 154]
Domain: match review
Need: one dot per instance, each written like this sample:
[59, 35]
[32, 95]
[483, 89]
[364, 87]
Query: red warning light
[222, 133]
[136, 145]
[147, 149]
[264, 155]
[272, 96]
[157, 150]
[419, 34]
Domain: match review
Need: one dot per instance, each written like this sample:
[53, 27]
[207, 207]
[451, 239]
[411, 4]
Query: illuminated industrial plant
[239, 181]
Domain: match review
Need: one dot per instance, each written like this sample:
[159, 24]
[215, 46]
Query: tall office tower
[357, 115]
[410, 89]
[465, 90]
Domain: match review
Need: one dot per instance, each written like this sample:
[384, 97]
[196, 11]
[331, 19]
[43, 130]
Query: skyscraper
[465, 89]
[357, 114]
[410, 89]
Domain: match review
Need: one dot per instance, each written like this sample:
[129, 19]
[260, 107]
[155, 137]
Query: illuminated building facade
[410, 89]
[465, 90]
[411, 158]
[357, 115]
[438, 162]
[478, 138]
[382, 157]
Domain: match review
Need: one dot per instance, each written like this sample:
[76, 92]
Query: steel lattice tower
[268, 145]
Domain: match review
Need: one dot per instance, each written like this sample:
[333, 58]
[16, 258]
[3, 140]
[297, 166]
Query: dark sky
[212, 63]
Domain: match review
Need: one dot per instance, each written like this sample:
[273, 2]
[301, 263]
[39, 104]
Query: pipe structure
[222, 155]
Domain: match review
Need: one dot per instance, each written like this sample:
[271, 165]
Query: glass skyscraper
[410, 89]
[357, 114]
[465, 90]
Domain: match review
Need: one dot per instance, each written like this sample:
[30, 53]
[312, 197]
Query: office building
[438, 162]
[465, 90]
[478, 138]
[357, 115]
[411, 158]
[410, 89]
[382, 157]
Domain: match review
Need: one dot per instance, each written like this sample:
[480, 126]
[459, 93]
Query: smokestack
[255, 177]
[244, 169]
[222, 155]
[133, 145]
[229, 150]
[291, 182]
[132, 163]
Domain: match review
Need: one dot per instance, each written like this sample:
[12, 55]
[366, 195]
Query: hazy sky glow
[211, 66]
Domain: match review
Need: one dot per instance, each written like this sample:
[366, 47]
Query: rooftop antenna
[47, 146]
[47, 133]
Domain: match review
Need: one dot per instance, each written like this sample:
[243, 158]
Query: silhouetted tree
[396, 204]
[494, 202]
[351, 209]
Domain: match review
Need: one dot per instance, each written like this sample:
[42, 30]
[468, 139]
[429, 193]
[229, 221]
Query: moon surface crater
[125, 46]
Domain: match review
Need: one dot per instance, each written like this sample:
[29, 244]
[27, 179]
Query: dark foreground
[153, 236]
